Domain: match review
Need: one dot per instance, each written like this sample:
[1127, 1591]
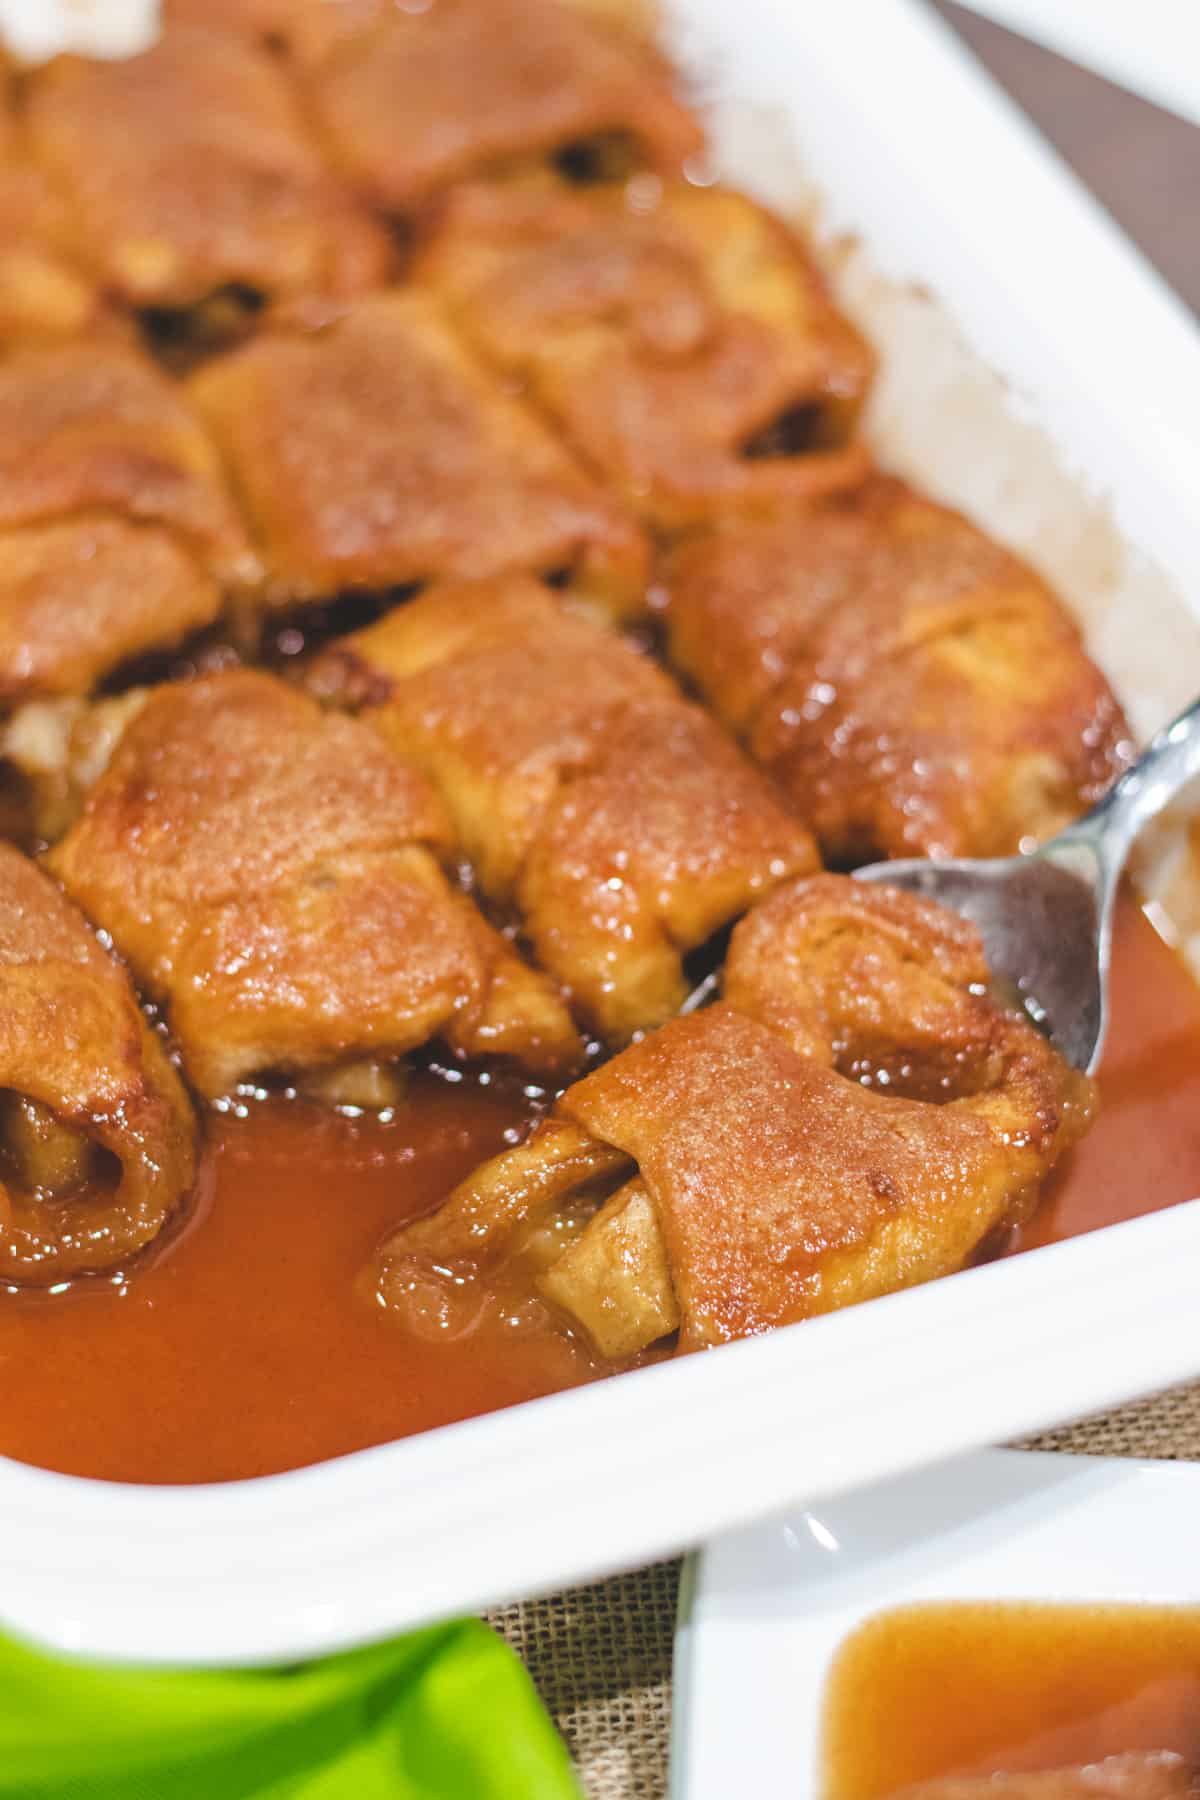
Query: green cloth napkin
[443, 1714]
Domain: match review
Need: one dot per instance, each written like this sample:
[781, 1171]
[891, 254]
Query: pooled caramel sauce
[1143, 1151]
[976, 1689]
[250, 1342]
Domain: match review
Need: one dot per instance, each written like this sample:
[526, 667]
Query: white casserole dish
[918, 154]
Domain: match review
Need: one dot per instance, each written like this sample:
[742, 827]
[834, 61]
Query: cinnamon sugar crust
[681, 338]
[271, 874]
[617, 820]
[914, 688]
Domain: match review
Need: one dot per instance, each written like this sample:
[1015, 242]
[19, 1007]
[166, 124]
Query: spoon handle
[1170, 762]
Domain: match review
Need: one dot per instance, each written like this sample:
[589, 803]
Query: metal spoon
[1046, 917]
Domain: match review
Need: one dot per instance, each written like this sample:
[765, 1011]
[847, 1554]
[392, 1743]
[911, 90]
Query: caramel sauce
[249, 1343]
[1143, 1151]
[975, 1689]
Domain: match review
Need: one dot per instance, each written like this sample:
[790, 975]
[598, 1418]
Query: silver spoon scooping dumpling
[1046, 917]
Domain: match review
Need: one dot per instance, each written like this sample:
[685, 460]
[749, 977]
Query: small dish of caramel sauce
[1007, 1625]
[948, 1701]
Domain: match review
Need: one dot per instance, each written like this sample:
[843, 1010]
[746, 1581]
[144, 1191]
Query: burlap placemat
[601, 1656]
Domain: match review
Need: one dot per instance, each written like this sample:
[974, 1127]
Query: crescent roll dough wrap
[914, 688]
[856, 1116]
[372, 453]
[270, 873]
[412, 99]
[117, 534]
[307, 29]
[189, 170]
[263, 22]
[97, 1136]
[619, 822]
[95, 428]
[686, 347]
[43, 296]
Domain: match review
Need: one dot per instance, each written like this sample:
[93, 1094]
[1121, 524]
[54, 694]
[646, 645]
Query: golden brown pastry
[915, 689]
[189, 171]
[80, 597]
[43, 295]
[412, 99]
[618, 822]
[97, 1137]
[270, 874]
[636, 18]
[682, 339]
[1141, 1775]
[374, 454]
[856, 1116]
[117, 535]
[307, 30]
[90, 428]
[298, 31]
[268, 23]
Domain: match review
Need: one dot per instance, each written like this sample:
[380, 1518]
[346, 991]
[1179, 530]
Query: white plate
[764, 1612]
[918, 153]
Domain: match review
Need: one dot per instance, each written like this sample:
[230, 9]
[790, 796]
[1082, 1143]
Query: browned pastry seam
[187, 170]
[371, 451]
[94, 426]
[45, 295]
[84, 594]
[914, 688]
[304, 30]
[271, 874]
[411, 102]
[117, 538]
[614, 818]
[681, 339]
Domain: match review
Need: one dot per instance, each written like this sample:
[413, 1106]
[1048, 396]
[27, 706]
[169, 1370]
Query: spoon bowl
[1046, 917]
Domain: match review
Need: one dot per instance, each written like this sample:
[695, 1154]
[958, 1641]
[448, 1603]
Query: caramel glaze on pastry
[44, 295]
[117, 537]
[97, 1137]
[304, 31]
[680, 337]
[189, 171]
[93, 428]
[80, 597]
[622, 825]
[270, 874]
[373, 453]
[914, 688]
[414, 99]
[277, 25]
[856, 1116]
